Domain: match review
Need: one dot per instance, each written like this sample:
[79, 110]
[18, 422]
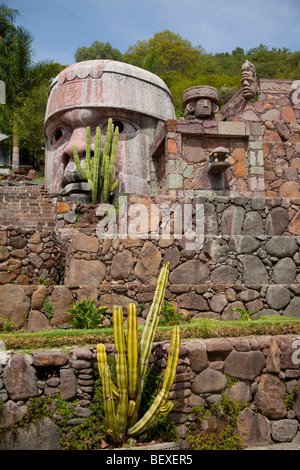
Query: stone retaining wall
[260, 371]
[250, 258]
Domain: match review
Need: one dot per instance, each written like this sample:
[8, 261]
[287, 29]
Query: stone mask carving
[87, 94]
[248, 80]
[200, 102]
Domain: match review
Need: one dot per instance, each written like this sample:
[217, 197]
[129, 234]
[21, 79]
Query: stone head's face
[87, 94]
[248, 80]
[200, 102]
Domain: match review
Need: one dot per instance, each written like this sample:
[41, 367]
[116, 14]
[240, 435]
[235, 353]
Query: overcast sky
[60, 26]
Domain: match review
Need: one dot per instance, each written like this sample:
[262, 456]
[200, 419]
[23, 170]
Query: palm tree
[20, 75]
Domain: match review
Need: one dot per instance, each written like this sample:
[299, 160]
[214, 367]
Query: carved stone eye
[57, 135]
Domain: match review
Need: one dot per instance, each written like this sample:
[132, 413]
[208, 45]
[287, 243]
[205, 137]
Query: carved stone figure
[87, 94]
[248, 80]
[217, 161]
[201, 102]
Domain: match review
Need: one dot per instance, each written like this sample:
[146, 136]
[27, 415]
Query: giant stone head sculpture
[87, 94]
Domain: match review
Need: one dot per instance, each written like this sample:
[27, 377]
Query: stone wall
[249, 258]
[260, 371]
[24, 203]
[180, 158]
[277, 109]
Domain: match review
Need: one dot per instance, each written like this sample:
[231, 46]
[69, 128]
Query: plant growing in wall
[99, 168]
[122, 402]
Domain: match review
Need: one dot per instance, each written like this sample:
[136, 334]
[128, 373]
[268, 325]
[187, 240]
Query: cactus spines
[131, 365]
[99, 169]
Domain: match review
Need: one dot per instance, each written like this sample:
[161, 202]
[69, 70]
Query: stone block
[233, 129]
[244, 365]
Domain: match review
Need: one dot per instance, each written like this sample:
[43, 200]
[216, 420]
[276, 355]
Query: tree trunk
[16, 149]
[15, 154]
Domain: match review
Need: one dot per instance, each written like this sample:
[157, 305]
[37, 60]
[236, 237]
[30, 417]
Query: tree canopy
[175, 59]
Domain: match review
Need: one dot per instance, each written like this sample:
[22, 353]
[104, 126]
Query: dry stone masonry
[233, 174]
[260, 372]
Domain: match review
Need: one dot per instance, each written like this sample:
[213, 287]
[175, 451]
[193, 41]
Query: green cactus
[99, 170]
[122, 415]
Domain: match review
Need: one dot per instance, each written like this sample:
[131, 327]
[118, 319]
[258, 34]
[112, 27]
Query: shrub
[85, 314]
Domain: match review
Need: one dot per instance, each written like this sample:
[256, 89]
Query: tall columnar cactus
[99, 169]
[121, 403]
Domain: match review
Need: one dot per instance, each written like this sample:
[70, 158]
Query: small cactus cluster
[122, 402]
[99, 169]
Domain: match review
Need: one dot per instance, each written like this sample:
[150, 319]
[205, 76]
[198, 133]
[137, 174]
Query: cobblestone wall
[259, 371]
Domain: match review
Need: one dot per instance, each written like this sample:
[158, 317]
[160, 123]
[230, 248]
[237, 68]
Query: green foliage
[170, 317]
[245, 314]
[290, 398]
[97, 51]
[47, 306]
[6, 325]
[85, 314]
[224, 436]
[99, 169]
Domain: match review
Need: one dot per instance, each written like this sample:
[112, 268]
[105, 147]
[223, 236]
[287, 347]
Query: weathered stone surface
[109, 300]
[290, 189]
[285, 271]
[50, 358]
[284, 430]
[243, 244]
[14, 303]
[276, 221]
[190, 272]
[244, 365]
[85, 243]
[215, 247]
[296, 404]
[85, 272]
[253, 428]
[87, 292]
[4, 253]
[18, 242]
[70, 217]
[192, 301]
[281, 246]
[293, 309]
[197, 356]
[3, 237]
[294, 226]
[278, 297]
[209, 381]
[42, 435]
[37, 321]
[240, 392]
[68, 384]
[11, 415]
[224, 275]
[61, 300]
[38, 297]
[172, 256]
[248, 295]
[273, 364]
[254, 270]
[218, 302]
[20, 378]
[122, 265]
[232, 220]
[253, 224]
[148, 264]
[270, 397]
[35, 260]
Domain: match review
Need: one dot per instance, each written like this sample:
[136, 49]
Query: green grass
[197, 328]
